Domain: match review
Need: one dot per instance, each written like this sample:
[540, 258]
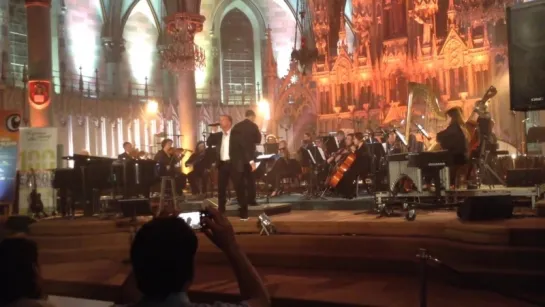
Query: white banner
[37, 151]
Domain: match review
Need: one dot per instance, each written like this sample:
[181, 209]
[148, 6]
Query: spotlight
[152, 107]
[266, 225]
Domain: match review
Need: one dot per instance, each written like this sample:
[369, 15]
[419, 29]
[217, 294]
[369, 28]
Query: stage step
[56, 256]
[381, 254]
[117, 239]
[73, 227]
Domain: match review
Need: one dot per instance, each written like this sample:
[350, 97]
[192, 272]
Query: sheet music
[265, 157]
[311, 157]
[385, 146]
[321, 151]
[401, 137]
[257, 165]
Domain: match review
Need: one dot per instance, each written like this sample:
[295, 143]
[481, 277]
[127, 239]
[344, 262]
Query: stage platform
[508, 252]
[300, 202]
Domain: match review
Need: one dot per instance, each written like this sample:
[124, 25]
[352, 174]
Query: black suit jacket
[124, 156]
[245, 136]
[214, 141]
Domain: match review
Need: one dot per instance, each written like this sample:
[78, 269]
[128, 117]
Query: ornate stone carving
[320, 25]
[113, 49]
[362, 17]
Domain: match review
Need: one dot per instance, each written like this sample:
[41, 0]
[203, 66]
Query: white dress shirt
[224, 150]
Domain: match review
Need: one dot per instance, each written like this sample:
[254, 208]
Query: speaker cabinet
[485, 208]
[526, 42]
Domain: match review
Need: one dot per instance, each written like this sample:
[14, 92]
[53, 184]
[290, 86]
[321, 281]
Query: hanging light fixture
[304, 56]
[182, 54]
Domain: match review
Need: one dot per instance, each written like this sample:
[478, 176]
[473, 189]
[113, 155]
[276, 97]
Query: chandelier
[304, 56]
[181, 53]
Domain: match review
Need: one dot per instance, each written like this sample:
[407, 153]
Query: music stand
[309, 155]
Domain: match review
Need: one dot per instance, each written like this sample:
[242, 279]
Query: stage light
[83, 46]
[264, 109]
[266, 225]
[200, 77]
[152, 107]
[513, 156]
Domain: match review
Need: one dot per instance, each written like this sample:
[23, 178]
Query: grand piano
[92, 177]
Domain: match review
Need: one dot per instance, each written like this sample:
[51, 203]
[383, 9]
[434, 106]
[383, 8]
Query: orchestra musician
[197, 177]
[127, 153]
[454, 139]
[283, 150]
[168, 160]
[339, 140]
[392, 144]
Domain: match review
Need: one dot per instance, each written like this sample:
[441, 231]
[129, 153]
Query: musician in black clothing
[126, 155]
[393, 145]
[455, 138]
[197, 177]
[246, 136]
[168, 162]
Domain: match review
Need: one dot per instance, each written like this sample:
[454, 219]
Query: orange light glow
[324, 80]
[364, 76]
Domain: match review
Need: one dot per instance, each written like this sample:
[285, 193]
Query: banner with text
[9, 138]
[37, 151]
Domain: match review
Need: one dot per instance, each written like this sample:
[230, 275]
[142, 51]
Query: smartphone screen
[193, 219]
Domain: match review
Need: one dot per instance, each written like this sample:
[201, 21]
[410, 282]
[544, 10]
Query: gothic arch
[255, 16]
[296, 89]
[127, 13]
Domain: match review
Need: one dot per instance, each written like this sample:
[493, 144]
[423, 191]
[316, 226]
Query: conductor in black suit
[247, 135]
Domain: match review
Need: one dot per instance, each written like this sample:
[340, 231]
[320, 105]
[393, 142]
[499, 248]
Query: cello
[341, 169]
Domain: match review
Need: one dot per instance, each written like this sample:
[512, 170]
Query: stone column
[185, 81]
[113, 51]
[39, 54]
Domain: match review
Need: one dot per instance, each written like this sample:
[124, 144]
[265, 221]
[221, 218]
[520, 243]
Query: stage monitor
[526, 36]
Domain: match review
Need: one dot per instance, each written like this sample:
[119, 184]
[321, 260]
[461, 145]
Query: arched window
[237, 50]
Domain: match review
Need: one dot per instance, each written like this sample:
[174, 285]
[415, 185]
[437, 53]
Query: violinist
[168, 160]
[197, 177]
[127, 154]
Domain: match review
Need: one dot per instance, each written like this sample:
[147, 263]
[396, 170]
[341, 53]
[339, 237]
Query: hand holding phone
[218, 229]
[194, 219]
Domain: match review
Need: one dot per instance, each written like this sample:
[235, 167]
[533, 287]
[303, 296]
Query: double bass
[472, 122]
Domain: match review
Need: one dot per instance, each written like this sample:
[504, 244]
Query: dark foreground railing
[426, 259]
